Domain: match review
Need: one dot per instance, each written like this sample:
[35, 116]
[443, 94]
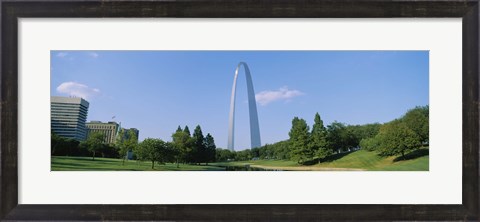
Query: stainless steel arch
[252, 109]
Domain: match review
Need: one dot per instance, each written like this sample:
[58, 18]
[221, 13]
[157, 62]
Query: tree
[397, 139]
[121, 145]
[126, 141]
[182, 143]
[55, 141]
[299, 141]
[179, 129]
[154, 150]
[335, 134]
[319, 138]
[186, 130]
[94, 142]
[243, 155]
[365, 131]
[199, 153]
[370, 144]
[132, 140]
[210, 148]
[66, 147]
[222, 155]
[417, 120]
[341, 137]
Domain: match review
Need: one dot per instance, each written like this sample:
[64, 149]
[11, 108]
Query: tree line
[402, 135]
[305, 146]
[188, 148]
[184, 148]
[61, 146]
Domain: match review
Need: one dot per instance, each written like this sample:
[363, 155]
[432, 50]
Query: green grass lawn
[64, 163]
[358, 160]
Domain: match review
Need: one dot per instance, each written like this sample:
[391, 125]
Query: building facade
[110, 130]
[126, 135]
[68, 117]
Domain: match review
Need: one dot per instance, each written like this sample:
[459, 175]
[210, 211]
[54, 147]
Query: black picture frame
[468, 10]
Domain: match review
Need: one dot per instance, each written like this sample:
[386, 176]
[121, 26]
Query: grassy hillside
[358, 160]
[371, 161]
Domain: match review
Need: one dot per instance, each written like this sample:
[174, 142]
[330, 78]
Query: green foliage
[210, 148]
[179, 129]
[340, 137]
[318, 141]
[66, 147]
[196, 149]
[365, 131]
[369, 144]
[119, 143]
[305, 147]
[360, 132]
[182, 142]
[125, 142]
[301, 150]
[243, 155]
[396, 138]
[69, 147]
[281, 150]
[94, 142]
[223, 155]
[199, 151]
[155, 150]
[186, 130]
[401, 135]
[417, 120]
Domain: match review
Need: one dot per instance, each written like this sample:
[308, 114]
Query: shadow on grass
[82, 158]
[73, 168]
[327, 159]
[413, 155]
[62, 164]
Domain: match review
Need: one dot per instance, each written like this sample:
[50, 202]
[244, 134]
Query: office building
[68, 117]
[126, 134]
[109, 130]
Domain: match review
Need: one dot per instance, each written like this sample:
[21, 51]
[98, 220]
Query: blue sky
[155, 91]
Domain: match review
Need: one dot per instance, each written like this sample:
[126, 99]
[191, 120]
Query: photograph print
[239, 110]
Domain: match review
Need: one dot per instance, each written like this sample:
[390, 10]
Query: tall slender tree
[187, 130]
[299, 141]
[198, 154]
[319, 138]
[121, 145]
[210, 149]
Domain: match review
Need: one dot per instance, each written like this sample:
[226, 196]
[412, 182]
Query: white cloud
[268, 96]
[62, 54]
[77, 90]
[93, 55]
